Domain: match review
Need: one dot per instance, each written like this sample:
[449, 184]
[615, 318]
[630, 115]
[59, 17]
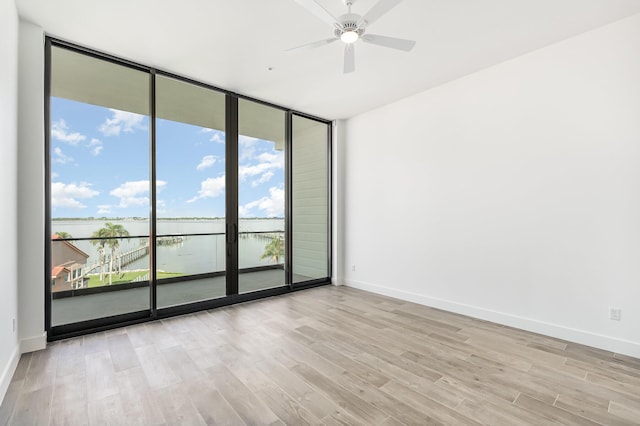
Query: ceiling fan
[351, 27]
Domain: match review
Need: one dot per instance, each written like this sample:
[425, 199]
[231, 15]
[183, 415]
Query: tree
[108, 236]
[64, 235]
[274, 250]
[98, 241]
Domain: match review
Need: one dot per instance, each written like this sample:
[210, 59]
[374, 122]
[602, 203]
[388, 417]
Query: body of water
[194, 255]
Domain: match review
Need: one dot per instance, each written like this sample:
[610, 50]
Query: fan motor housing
[349, 22]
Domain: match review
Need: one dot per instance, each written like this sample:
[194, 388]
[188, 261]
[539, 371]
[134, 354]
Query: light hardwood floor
[330, 355]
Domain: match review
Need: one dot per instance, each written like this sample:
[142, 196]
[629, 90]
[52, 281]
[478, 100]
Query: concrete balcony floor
[82, 308]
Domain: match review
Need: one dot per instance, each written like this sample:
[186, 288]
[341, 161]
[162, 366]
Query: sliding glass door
[189, 193]
[261, 196]
[166, 195]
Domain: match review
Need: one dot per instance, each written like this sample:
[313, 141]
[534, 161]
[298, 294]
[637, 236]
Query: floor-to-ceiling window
[166, 195]
[99, 187]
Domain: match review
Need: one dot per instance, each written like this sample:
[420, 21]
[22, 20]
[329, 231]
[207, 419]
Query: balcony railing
[112, 264]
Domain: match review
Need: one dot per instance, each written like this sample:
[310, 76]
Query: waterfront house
[67, 262]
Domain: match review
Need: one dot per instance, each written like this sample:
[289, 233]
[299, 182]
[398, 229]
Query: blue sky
[100, 167]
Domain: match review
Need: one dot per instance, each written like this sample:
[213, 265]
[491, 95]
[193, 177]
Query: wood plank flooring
[330, 355]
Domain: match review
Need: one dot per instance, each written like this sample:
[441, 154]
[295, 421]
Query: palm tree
[274, 250]
[109, 236]
[100, 242]
[64, 235]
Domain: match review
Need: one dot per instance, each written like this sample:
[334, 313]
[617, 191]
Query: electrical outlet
[353, 268]
[615, 314]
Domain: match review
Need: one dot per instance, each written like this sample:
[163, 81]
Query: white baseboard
[7, 374]
[32, 344]
[583, 337]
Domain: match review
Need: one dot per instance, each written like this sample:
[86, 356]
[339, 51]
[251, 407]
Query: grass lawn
[127, 277]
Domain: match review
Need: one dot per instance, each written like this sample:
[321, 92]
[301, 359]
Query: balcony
[117, 299]
[190, 268]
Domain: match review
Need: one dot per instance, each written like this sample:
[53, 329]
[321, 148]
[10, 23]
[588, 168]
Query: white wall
[9, 347]
[337, 202]
[512, 194]
[31, 188]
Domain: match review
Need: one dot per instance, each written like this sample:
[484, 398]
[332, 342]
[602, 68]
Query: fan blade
[379, 9]
[314, 44]
[320, 12]
[392, 42]
[349, 58]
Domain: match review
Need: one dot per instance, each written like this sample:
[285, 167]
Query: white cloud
[266, 177]
[272, 206]
[244, 211]
[207, 161]
[135, 193]
[67, 195]
[60, 157]
[217, 138]
[276, 159]
[104, 209]
[268, 163]
[247, 140]
[247, 147]
[121, 121]
[217, 135]
[249, 171]
[210, 188]
[96, 146]
[60, 131]
[161, 206]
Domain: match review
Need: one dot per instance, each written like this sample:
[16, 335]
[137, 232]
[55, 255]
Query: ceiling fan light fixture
[349, 36]
[351, 27]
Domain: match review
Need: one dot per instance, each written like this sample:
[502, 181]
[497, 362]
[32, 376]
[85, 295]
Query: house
[503, 185]
[67, 274]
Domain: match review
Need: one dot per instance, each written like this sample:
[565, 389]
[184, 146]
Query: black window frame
[231, 109]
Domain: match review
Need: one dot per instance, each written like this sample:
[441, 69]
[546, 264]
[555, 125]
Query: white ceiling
[232, 44]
